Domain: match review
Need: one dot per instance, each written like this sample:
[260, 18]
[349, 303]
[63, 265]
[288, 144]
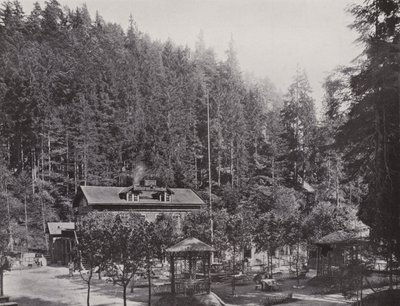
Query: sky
[272, 37]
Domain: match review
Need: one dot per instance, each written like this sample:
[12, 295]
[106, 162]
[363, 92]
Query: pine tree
[299, 120]
[372, 131]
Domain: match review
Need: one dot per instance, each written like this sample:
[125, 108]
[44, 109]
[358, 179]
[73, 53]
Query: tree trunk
[44, 223]
[75, 174]
[231, 166]
[337, 184]
[390, 266]
[196, 183]
[21, 161]
[361, 287]
[88, 288]
[26, 222]
[9, 220]
[49, 157]
[219, 159]
[8, 153]
[172, 273]
[85, 163]
[271, 264]
[233, 270]
[297, 264]
[329, 171]
[1, 283]
[67, 163]
[42, 157]
[273, 179]
[149, 280]
[124, 292]
[33, 170]
[219, 167]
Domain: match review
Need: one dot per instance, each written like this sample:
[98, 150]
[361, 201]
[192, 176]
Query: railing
[185, 288]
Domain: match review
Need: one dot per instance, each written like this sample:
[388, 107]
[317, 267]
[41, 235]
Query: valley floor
[51, 286]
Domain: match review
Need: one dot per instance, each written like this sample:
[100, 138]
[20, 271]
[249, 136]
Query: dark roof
[190, 245]
[341, 237]
[98, 195]
[56, 228]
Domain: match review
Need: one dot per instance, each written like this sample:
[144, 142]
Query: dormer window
[132, 197]
[164, 197]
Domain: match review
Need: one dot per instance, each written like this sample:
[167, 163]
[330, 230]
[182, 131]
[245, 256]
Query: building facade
[147, 199]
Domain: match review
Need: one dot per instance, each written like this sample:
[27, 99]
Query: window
[247, 253]
[135, 198]
[167, 197]
[129, 197]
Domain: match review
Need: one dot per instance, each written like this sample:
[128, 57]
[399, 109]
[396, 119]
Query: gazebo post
[190, 267]
[172, 272]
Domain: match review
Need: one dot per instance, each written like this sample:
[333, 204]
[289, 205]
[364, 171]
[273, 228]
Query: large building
[147, 199]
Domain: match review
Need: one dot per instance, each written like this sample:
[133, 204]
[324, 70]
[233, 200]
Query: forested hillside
[84, 102]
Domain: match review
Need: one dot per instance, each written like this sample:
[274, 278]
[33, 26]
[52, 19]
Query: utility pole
[209, 173]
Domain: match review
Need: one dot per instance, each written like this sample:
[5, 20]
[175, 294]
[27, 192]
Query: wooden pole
[209, 173]
[209, 272]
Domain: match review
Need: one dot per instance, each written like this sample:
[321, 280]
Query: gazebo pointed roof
[190, 245]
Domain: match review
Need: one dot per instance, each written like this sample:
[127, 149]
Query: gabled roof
[102, 195]
[190, 245]
[342, 237]
[56, 228]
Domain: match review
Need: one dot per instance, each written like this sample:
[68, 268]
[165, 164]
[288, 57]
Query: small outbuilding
[61, 241]
[193, 277]
[336, 249]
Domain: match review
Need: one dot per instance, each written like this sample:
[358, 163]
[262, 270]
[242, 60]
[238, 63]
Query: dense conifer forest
[84, 102]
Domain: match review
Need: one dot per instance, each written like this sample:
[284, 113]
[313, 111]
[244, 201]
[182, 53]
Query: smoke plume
[138, 173]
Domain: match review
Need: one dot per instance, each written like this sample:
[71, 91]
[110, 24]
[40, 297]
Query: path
[51, 286]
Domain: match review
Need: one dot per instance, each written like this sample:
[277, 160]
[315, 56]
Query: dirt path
[51, 286]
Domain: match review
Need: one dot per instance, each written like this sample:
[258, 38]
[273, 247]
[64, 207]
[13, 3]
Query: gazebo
[195, 255]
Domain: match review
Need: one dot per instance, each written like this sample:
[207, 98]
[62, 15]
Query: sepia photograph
[199, 152]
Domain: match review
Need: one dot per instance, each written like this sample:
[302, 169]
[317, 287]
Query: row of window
[132, 197]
